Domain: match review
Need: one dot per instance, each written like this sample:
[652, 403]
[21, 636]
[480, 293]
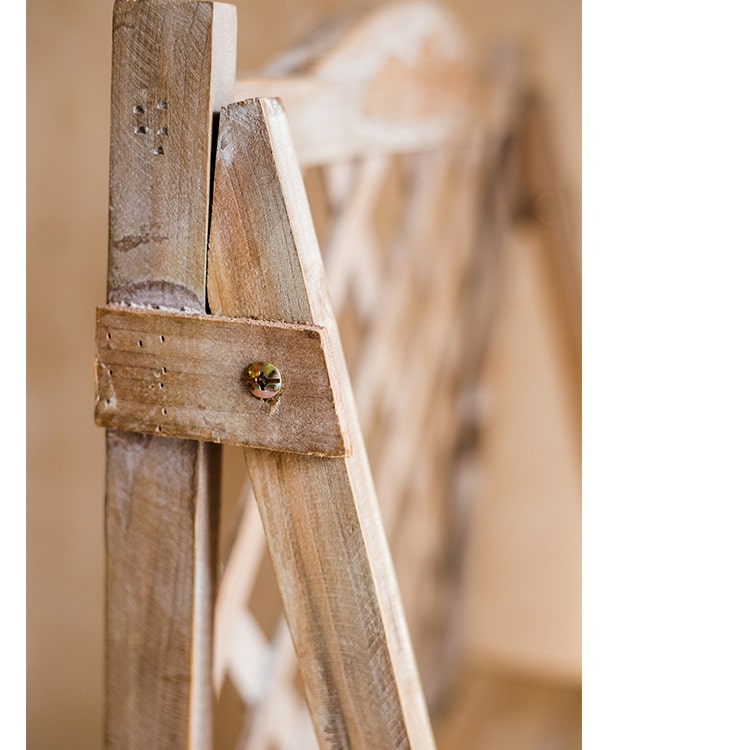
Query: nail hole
[138, 110]
[158, 151]
[109, 335]
[162, 131]
[109, 372]
[162, 340]
[158, 428]
[108, 401]
[161, 385]
[161, 105]
[140, 343]
[163, 411]
[164, 370]
[141, 129]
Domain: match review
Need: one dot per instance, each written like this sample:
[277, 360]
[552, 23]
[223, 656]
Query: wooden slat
[172, 66]
[239, 573]
[250, 646]
[278, 707]
[320, 515]
[182, 375]
[352, 241]
[398, 78]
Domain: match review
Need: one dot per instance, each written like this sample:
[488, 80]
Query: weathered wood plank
[160, 531]
[172, 67]
[320, 515]
[183, 375]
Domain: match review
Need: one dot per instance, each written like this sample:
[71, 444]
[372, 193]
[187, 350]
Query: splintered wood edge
[183, 375]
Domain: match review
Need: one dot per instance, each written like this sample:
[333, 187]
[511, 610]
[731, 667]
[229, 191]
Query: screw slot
[264, 380]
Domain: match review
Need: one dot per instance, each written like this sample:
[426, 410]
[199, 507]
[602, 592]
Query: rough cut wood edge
[172, 67]
[321, 516]
[392, 79]
[182, 375]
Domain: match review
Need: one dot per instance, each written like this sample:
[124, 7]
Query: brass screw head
[264, 380]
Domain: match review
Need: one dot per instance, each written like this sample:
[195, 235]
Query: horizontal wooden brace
[184, 375]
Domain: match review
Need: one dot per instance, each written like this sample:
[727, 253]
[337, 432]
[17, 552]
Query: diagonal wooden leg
[320, 515]
[173, 67]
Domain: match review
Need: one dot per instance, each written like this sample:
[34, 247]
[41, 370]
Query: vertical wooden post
[321, 515]
[173, 66]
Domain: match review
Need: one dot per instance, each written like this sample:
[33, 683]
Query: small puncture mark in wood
[164, 370]
[109, 372]
[158, 151]
[138, 110]
[161, 338]
[163, 411]
[109, 335]
[158, 428]
[141, 130]
[161, 385]
[140, 343]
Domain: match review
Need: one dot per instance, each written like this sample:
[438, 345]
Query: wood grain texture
[320, 515]
[160, 532]
[169, 77]
[183, 375]
[172, 66]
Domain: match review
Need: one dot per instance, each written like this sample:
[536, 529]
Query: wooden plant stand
[214, 265]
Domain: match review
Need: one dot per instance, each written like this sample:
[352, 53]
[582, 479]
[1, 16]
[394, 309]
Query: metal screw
[264, 380]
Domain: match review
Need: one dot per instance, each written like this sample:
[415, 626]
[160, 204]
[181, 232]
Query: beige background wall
[524, 605]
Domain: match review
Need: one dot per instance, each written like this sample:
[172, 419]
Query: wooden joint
[185, 375]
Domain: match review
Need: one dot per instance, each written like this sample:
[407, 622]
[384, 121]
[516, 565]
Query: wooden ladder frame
[236, 237]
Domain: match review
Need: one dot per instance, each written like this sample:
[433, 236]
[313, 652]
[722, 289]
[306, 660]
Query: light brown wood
[172, 66]
[488, 709]
[409, 285]
[320, 515]
[240, 570]
[395, 79]
[547, 206]
[182, 375]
